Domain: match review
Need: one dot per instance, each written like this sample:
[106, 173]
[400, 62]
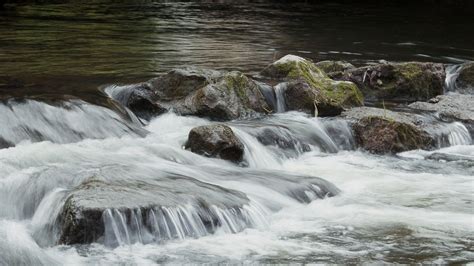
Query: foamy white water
[414, 207]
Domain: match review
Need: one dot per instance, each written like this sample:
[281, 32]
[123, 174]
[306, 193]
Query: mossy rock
[382, 135]
[383, 131]
[404, 82]
[309, 87]
[232, 96]
[334, 69]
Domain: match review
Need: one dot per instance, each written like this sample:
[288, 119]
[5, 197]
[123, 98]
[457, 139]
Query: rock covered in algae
[309, 89]
[408, 82]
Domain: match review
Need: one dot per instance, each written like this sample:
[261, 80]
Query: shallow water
[402, 209]
[413, 207]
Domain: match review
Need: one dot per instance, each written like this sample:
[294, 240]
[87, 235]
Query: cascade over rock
[150, 204]
[451, 107]
[309, 87]
[465, 78]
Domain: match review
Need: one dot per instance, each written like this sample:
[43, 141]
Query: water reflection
[130, 40]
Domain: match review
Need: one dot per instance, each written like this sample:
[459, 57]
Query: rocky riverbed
[198, 155]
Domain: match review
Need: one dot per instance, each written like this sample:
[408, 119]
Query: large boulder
[179, 83]
[145, 210]
[337, 96]
[309, 89]
[382, 131]
[215, 141]
[232, 96]
[128, 204]
[451, 107]
[405, 82]
[196, 91]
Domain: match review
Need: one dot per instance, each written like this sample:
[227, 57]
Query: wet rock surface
[451, 107]
[405, 82]
[383, 131]
[310, 90]
[84, 214]
[215, 141]
[334, 69]
[196, 91]
[465, 79]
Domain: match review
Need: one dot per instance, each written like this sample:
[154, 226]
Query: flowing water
[412, 207]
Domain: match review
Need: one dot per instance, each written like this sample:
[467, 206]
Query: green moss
[345, 93]
[410, 70]
[237, 82]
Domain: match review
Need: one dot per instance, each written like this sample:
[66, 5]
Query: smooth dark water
[84, 45]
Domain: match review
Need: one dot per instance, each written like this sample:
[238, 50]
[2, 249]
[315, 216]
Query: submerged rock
[409, 81]
[309, 89]
[215, 141]
[112, 212]
[382, 131]
[451, 107]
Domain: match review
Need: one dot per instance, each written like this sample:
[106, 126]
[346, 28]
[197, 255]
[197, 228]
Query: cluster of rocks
[326, 88]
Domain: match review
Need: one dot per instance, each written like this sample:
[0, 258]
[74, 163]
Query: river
[58, 61]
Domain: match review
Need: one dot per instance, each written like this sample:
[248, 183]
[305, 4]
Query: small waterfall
[450, 134]
[452, 73]
[160, 224]
[269, 94]
[451, 81]
[71, 121]
[256, 154]
[340, 132]
[280, 97]
[44, 223]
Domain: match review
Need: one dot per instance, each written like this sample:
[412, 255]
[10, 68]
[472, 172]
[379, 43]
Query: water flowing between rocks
[303, 192]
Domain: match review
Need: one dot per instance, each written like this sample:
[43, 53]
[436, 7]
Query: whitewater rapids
[407, 208]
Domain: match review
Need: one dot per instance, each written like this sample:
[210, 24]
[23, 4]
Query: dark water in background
[72, 48]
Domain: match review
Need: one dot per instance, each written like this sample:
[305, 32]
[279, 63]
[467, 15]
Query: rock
[407, 82]
[179, 83]
[440, 156]
[5, 144]
[233, 96]
[150, 203]
[451, 107]
[308, 86]
[335, 98]
[195, 91]
[382, 131]
[464, 78]
[139, 98]
[334, 69]
[215, 141]
[127, 204]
